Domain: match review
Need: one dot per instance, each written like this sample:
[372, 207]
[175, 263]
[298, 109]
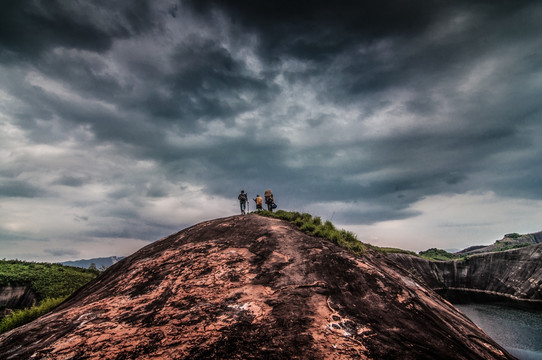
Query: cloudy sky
[415, 123]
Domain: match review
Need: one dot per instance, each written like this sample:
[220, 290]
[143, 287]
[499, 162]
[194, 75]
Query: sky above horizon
[415, 124]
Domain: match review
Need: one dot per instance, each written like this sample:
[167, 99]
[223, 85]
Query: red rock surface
[251, 288]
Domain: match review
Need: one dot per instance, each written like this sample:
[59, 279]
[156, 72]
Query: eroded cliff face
[249, 287]
[16, 297]
[513, 275]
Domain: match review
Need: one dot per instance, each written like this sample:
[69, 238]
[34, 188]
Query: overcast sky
[415, 124]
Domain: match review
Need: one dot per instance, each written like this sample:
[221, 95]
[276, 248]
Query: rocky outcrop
[249, 287]
[16, 297]
[514, 276]
[509, 241]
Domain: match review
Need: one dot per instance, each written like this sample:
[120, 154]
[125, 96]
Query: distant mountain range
[100, 263]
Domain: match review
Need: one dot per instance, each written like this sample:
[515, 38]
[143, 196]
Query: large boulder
[249, 287]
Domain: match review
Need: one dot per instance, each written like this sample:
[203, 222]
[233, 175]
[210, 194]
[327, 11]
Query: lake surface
[518, 331]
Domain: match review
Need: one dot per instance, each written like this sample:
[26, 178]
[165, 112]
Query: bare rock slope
[251, 288]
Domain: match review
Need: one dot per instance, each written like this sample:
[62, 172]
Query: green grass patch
[24, 316]
[346, 239]
[314, 226]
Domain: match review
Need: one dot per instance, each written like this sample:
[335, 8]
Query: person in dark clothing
[243, 198]
[269, 199]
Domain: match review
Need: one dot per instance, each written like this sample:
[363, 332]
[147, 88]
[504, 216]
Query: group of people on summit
[269, 201]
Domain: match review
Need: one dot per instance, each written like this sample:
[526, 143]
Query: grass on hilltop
[314, 226]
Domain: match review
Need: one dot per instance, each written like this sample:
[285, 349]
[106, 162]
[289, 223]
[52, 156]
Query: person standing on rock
[269, 199]
[259, 202]
[243, 198]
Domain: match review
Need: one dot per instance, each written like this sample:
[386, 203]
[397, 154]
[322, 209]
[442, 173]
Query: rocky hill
[514, 276]
[509, 241]
[249, 287]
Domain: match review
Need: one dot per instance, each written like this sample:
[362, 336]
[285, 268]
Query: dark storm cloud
[29, 27]
[145, 230]
[318, 31]
[62, 252]
[19, 188]
[369, 216]
[314, 30]
[209, 91]
[203, 82]
[206, 83]
[72, 181]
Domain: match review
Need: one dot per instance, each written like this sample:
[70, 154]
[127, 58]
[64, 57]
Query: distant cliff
[513, 275]
[249, 287]
[509, 241]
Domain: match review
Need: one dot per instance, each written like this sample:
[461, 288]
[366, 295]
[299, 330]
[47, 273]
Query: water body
[518, 331]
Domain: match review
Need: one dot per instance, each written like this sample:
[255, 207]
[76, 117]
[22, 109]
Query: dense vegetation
[23, 316]
[51, 283]
[315, 227]
[44, 279]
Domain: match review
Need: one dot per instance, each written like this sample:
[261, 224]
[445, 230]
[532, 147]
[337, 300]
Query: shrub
[307, 227]
[329, 226]
[512, 236]
[439, 254]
